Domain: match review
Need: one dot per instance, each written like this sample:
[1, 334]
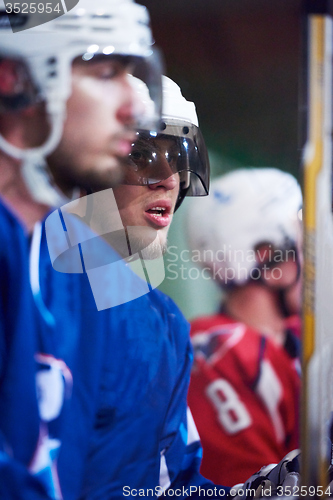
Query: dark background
[239, 61]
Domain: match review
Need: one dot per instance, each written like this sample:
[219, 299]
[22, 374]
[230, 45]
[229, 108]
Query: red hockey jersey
[244, 395]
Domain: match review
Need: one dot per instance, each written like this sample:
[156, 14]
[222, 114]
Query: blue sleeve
[180, 447]
[17, 483]
[19, 416]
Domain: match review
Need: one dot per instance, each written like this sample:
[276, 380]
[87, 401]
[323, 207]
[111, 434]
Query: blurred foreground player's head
[68, 95]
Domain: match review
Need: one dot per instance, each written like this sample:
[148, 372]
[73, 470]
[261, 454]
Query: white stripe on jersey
[164, 474]
[270, 390]
[192, 433]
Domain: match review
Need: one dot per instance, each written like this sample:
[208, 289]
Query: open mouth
[159, 211]
[158, 214]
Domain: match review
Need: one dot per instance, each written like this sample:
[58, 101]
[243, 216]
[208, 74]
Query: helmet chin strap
[281, 293]
[281, 296]
[181, 196]
[39, 182]
[35, 171]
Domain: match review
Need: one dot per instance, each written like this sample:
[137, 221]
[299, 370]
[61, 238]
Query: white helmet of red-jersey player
[245, 208]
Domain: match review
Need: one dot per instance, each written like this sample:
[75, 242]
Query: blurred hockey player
[244, 386]
[69, 108]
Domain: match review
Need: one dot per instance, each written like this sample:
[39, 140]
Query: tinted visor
[176, 149]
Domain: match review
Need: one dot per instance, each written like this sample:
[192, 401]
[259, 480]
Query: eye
[108, 68]
[111, 70]
[172, 157]
[136, 156]
[142, 158]
[103, 66]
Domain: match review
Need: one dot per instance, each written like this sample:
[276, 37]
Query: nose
[136, 103]
[169, 183]
[126, 110]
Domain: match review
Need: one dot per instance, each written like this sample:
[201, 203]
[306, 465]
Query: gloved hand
[272, 479]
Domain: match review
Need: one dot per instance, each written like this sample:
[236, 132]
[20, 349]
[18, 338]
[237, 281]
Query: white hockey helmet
[179, 122]
[245, 208]
[92, 28]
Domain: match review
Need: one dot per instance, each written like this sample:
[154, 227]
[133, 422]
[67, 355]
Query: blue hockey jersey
[19, 412]
[115, 423]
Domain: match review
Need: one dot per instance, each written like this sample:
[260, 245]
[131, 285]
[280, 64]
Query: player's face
[286, 275]
[151, 205]
[96, 132]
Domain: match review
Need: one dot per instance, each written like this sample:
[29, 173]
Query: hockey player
[245, 383]
[110, 419]
[69, 106]
[146, 421]
[111, 415]
[172, 164]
